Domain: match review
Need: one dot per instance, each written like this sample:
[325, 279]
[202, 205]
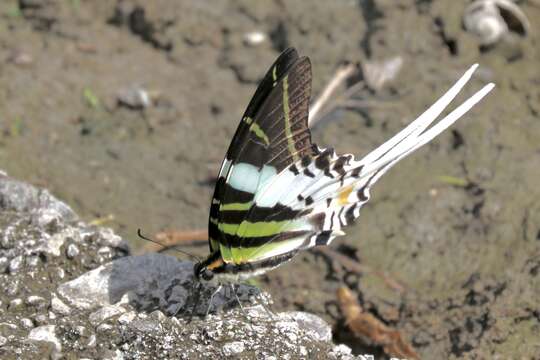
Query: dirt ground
[466, 253]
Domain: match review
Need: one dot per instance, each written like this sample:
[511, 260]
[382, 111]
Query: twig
[354, 266]
[339, 77]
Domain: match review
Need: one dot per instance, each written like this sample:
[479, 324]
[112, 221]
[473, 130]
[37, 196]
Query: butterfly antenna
[165, 247]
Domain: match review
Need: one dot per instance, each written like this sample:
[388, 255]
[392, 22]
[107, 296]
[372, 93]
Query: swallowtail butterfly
[277, 193]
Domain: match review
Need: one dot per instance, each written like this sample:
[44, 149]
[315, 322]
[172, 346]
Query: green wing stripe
[286, 111]
[260, 133]
[249, 229]
[236, 206]
[274, 75]
[250, 254]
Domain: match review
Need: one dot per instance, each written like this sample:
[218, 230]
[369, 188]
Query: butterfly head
[202, 272]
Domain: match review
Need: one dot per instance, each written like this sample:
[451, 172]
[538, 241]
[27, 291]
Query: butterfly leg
[248, 320]
[211, 299]
[268, 310]
[195, 295]
[233, 289]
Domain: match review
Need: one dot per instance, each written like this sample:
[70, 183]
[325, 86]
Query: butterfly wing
[308, 203]
[272, 134]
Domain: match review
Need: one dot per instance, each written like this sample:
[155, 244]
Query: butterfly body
[277, 193]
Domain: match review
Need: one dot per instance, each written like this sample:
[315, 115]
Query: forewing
[272, 135]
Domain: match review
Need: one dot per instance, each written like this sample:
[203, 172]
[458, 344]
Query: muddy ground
[465, 253]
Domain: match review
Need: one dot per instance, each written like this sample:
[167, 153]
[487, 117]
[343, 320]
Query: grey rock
[313, 325]
[47, 333]
[3, 341]
[134, 306]
[59, 306]
[21, 197]
[52, 246]
[104, 313]
[233, 348]
[136, 274]
[126, 318]
[107, 237]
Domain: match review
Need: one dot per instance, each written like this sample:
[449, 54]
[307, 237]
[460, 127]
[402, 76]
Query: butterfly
[277, 193]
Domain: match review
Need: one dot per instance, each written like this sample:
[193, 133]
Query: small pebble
[3, 264]
[72, 251]
[102, 314]
[61, 273]
[16, 264]
[41, 319]
[59, 306]
[103, 328]
[126, 318]
[91, 341]
[134, 98]
[81, 330]
[47, 333]
[32, 261]
[3, 341]
[12, 288]
[27, 323]
[36, 301]
[233, 348]
[8, 328]
[5, 242]
[254, 38]
[15, 303]
[104, 250]
[20, 58]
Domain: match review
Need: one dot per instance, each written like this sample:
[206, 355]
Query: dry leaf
[367, 326]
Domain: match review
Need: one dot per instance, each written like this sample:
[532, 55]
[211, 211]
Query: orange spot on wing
[344, 195]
